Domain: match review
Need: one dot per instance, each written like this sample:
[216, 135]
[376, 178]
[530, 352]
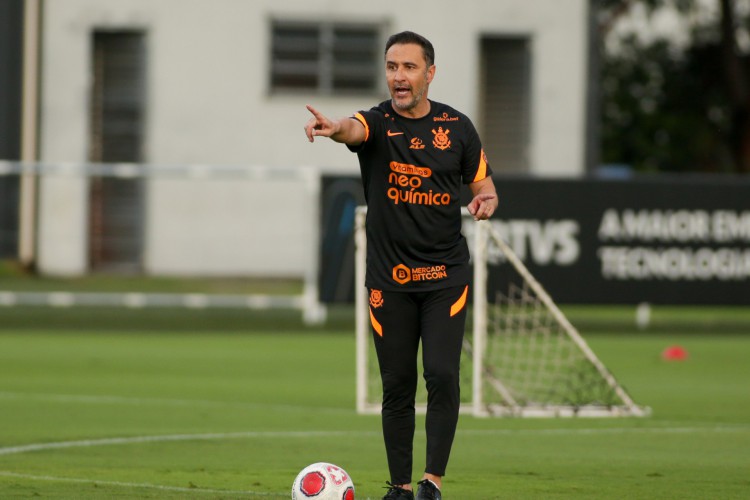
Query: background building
[225, 83]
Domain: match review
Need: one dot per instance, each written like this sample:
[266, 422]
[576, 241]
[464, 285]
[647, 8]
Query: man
[414, 154]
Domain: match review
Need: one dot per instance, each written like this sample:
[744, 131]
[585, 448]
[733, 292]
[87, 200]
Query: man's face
[408, 76]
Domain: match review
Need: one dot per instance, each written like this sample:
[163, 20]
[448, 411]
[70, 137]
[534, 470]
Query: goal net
[523, 357]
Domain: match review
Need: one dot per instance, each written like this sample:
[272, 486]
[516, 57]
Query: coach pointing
[414, 155]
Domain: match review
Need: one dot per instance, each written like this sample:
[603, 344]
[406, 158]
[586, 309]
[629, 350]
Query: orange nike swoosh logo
[391, 134]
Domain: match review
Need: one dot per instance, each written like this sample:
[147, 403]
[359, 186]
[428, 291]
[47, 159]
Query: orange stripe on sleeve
[361, 119]
[375, 325]
[482, 170]
[460, 303]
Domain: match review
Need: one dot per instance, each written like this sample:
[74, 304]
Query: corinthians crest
[376, 298]
[441, 140]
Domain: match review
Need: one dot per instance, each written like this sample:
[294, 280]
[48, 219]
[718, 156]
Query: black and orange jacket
[412, 172]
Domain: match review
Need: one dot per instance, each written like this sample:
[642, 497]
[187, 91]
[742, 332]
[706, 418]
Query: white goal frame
[484, 235]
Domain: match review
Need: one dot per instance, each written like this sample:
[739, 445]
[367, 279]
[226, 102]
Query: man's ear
[430, 73]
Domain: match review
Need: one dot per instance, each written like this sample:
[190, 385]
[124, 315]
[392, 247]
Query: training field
[105, 403]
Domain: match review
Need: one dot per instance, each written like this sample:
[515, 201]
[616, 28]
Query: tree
[676, 108]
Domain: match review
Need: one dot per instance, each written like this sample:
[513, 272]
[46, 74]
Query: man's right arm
[345, 130]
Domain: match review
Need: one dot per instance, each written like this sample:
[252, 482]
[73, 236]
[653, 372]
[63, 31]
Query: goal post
[529, 359]
[523, 358]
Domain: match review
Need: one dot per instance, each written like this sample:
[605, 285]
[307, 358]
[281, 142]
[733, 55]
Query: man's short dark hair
[406, 37]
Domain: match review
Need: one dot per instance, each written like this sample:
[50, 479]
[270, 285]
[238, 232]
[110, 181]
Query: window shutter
[326, 58]
[506, 103]
[117, 130]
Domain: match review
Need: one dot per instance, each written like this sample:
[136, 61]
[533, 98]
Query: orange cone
[674, 353]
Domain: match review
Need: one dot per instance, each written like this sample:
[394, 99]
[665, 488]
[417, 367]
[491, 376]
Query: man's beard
[411, 104]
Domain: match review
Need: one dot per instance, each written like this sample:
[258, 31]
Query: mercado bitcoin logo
[429, 273]
[401, 274]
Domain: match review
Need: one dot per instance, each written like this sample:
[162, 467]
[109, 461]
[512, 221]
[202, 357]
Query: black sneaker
[428, 491]
[397, 493]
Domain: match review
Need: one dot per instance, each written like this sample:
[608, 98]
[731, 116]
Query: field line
[160, 487]
[87, 443]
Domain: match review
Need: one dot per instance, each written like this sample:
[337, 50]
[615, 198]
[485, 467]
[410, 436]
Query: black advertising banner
[340, 197]
[664, 240]
[660, 240]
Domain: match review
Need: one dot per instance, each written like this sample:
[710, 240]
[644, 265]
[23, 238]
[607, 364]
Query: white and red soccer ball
[323, 481]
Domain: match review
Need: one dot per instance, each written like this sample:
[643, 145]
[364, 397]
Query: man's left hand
[483, 206]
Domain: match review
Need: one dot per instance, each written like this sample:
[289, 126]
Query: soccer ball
[323, 481]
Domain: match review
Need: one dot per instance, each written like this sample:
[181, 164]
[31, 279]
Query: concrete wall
[239, 225]
[199, 221]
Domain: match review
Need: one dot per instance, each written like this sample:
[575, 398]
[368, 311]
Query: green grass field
[230, 404]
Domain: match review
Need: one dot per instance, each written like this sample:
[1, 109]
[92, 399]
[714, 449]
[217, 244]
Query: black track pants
[399, 320]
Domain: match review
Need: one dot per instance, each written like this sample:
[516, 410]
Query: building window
[505, 118]
[325, 58]
[117, 117]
